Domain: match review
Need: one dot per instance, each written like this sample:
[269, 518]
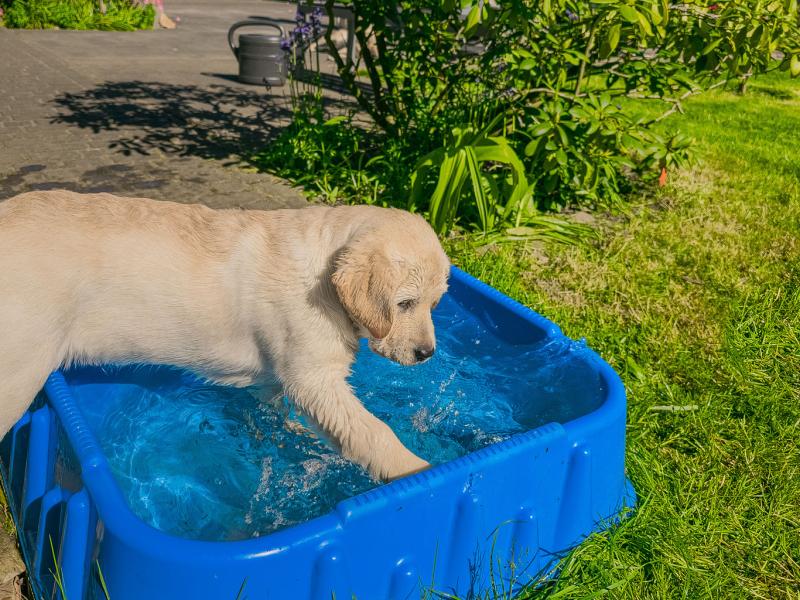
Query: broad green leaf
[485, 212]
[533, 147]
[541, 129]
[445, 198]
[612, 37]
[629, 13]
[655, 14]
[335, 121]
[644, 25]
[500, 151]
[758, 35]
[711, 46]
[579, 113]
[562, 135]
[473, 20]
[794, 65]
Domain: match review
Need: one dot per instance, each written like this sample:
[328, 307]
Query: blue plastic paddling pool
[174, 488]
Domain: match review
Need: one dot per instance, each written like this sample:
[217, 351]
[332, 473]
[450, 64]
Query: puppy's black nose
[423, 353]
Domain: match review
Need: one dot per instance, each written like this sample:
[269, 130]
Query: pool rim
[115, 514]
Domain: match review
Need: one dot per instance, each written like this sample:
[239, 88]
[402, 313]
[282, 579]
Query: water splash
[218, 463]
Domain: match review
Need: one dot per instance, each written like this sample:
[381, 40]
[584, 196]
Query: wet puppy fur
[237, 297]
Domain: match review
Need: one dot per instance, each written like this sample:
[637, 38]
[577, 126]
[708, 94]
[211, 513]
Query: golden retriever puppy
[234, 296]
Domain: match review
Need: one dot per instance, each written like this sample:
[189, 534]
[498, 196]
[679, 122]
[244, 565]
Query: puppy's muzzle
[423, 353]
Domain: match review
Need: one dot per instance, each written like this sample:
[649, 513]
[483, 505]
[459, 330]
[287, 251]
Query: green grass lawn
[693, 295]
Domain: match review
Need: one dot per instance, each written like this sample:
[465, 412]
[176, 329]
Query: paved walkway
[152, 113]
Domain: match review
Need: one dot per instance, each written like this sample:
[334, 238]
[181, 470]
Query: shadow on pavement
[215, 122]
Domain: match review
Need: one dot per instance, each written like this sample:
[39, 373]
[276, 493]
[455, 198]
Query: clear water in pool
[217, 463]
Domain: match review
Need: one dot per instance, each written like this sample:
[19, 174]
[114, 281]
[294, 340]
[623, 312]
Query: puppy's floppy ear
[365, 282]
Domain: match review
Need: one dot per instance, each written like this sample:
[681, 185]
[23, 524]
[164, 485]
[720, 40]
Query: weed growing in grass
[58, 574]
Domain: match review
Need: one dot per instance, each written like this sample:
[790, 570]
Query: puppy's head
[389, 278]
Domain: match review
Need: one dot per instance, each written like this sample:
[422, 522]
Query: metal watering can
[261, 58]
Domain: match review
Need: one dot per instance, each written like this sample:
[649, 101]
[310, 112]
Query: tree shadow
[217, 121]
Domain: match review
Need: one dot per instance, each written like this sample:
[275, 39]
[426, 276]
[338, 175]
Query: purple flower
[286, 44]
[571, 15]
[316, 24]
[509, 92]
[304, 30]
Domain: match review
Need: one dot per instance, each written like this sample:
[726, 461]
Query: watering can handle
[261, 21]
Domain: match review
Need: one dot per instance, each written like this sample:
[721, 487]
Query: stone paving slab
[151, 113]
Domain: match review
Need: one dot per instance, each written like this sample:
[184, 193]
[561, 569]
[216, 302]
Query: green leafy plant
[487, 115]
[333, 159]
[559, 72]
[568, 67]
[463, 160]
[120, 15]
[58, 574]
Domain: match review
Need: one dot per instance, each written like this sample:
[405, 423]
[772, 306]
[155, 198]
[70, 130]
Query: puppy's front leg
[360, 436]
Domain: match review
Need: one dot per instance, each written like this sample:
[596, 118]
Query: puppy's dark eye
[407, 304]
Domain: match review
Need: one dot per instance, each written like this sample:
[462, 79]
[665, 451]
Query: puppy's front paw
[413, 464]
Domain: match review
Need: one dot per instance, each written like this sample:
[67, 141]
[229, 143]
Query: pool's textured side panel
[500, 514]
[57, 524]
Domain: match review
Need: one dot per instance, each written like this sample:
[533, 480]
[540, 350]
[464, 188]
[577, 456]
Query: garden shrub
[495, 111]
[119, 15]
